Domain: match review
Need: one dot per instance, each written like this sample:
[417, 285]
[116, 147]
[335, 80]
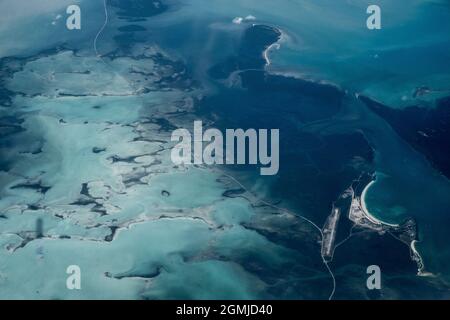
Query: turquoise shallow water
[86, 176]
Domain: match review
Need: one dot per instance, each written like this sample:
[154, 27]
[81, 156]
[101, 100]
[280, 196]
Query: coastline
[421, 272]
[415, 254]
[370, 216]
[276, 45]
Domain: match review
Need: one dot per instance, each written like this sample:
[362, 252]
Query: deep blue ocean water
[165, 65]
